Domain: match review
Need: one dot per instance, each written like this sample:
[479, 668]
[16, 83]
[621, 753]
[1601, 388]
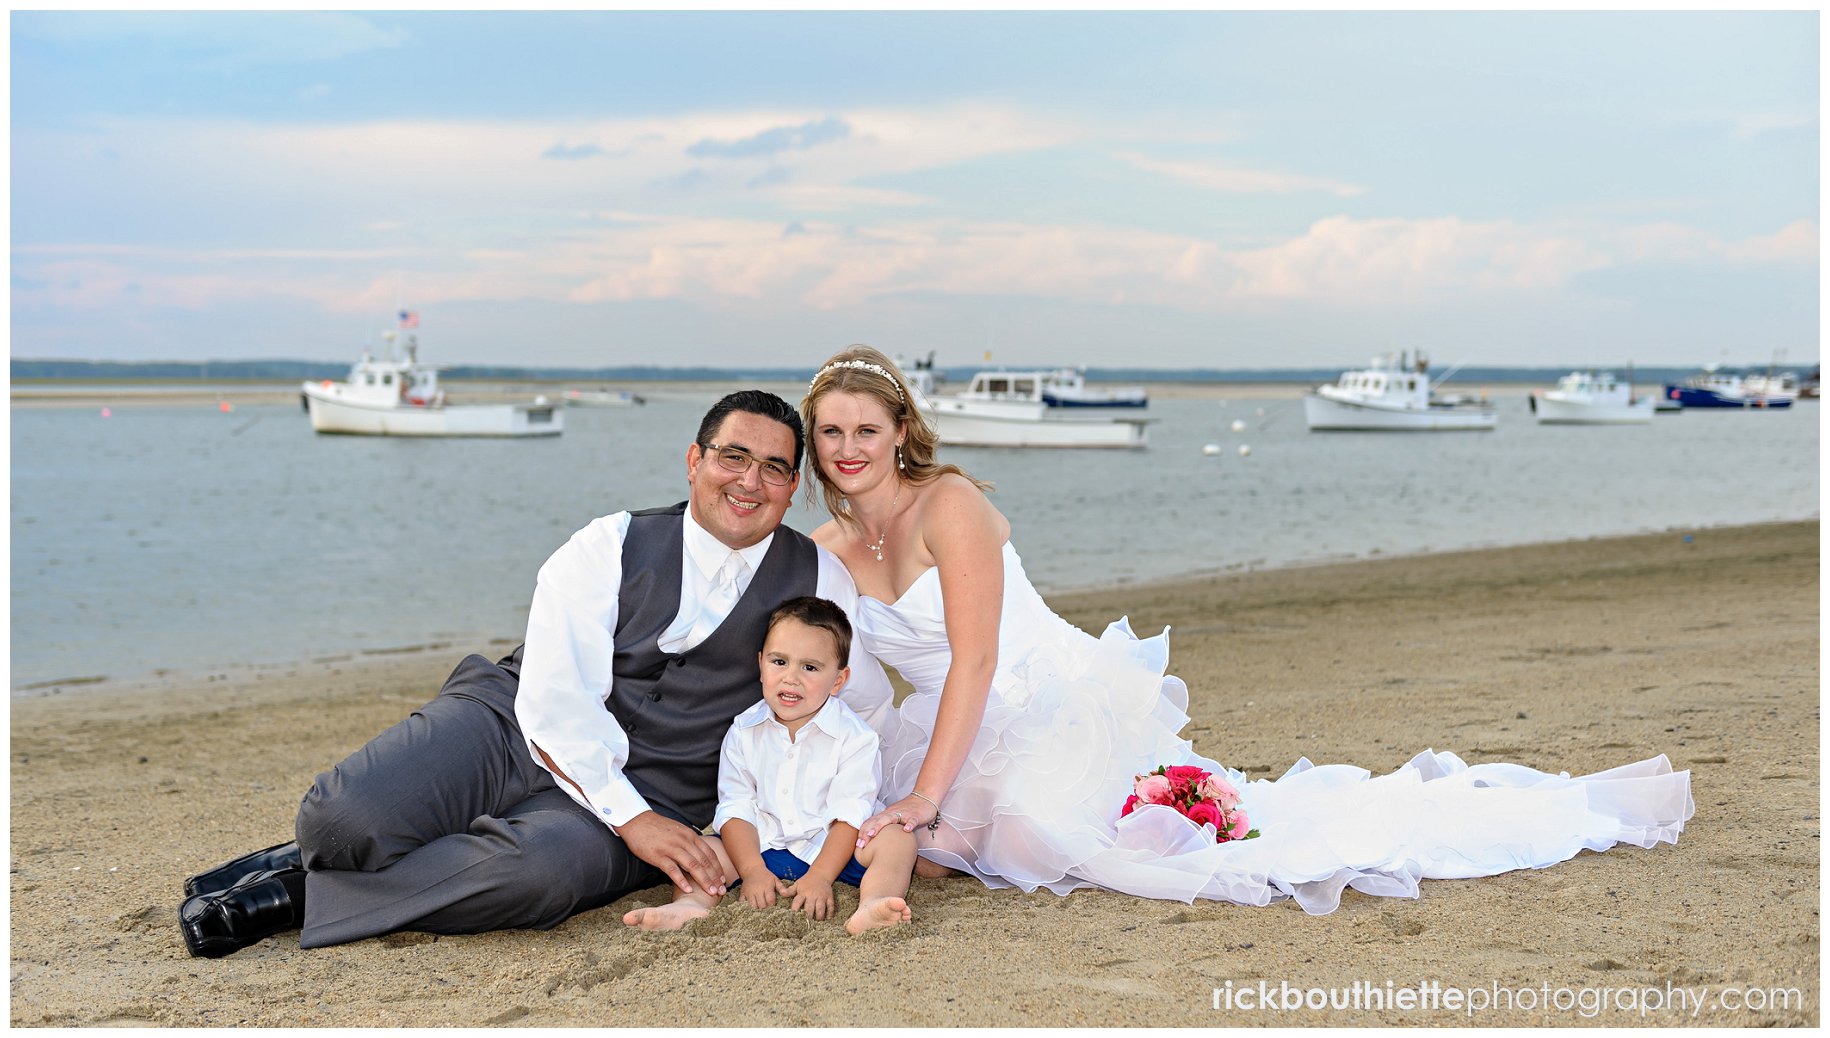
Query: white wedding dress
[1072, 719]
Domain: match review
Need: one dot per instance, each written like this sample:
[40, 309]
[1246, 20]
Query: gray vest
[676, 708]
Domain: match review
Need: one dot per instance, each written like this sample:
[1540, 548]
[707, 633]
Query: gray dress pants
[444, 824]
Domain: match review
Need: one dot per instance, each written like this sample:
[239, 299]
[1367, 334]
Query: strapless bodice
[910, 634]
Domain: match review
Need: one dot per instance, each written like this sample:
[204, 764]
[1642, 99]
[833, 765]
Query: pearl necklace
[877, 548]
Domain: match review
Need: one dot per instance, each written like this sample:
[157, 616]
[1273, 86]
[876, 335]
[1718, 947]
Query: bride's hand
[908, 812]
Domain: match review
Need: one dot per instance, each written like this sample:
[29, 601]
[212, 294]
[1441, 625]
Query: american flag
[409, 318]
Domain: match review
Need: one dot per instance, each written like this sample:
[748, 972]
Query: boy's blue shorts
[787, 866]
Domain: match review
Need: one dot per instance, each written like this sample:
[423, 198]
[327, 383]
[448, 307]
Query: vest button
[679, 661]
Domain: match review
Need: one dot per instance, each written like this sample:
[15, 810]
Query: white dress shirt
[793, 788]
[571, 627]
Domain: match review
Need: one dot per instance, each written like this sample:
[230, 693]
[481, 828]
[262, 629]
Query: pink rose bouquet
[1201, 796]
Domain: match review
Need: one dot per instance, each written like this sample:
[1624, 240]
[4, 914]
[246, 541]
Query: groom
[583, 765]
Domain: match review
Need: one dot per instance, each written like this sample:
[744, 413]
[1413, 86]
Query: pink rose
[1154, 789]
[1204, 813]
[1219, 790]
[1238, 829]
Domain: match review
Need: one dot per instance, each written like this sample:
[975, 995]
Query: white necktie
[719, 600]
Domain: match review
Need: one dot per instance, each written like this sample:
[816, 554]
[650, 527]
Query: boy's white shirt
[792, 791]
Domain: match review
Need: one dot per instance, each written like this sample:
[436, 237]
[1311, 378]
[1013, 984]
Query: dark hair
[757, 402]
[821, 613]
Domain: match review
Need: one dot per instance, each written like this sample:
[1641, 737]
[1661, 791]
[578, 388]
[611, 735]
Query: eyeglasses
[738, 461]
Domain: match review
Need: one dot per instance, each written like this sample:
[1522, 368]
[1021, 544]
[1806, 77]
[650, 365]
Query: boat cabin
[1005, 385]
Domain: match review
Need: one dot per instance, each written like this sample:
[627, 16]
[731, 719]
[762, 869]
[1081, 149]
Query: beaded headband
[861, 365]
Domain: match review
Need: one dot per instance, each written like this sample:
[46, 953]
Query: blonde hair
[867, 372]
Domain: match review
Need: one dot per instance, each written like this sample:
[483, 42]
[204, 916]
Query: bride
[1014, 754]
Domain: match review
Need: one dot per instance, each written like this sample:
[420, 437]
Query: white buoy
[1238, 426]
[1211, 450]
[1244, 450]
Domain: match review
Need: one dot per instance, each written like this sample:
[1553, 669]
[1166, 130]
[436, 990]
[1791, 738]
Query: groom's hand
[674, 849]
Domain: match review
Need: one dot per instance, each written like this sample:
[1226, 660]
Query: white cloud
[1796, 242]
[1746, 125]
[471, 211]
[460, 168]
[1749, 125]
[721, 261]
[1406, 260]
[1239, 179]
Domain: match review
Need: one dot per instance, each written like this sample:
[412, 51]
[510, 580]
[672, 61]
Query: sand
[1574, 657]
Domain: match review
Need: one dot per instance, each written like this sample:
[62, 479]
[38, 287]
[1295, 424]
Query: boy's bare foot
[666, 917]
[934, 870]
[872, 915]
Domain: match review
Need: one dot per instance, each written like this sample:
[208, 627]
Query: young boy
[798, 773]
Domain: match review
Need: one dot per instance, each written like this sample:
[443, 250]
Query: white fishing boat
[1772, 386]
[1007, 409]
[394, 397]
[1393, 393]
[1591, 398]
[601, 398]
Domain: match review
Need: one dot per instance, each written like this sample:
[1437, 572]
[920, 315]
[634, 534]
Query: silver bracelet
[935, 824]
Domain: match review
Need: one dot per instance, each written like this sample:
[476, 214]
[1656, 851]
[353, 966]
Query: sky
[1170, 190]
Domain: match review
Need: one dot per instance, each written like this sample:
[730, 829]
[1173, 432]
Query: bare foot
[872, 915]
[666, 917]
[934, 870]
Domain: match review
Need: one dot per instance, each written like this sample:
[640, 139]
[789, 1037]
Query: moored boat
[1008, 409]
[395, 397]
[1393, 393]
[1591, 398]
[1067, 387]
[1716, 388]
[602, 398]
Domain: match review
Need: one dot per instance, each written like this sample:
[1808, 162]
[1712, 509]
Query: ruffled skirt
[1068, 727]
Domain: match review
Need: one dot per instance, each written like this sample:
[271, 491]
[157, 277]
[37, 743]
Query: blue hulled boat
[1713, 388]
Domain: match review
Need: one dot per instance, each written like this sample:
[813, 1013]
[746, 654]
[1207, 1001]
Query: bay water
[182, 538]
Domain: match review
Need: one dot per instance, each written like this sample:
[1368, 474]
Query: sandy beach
[1568, 657]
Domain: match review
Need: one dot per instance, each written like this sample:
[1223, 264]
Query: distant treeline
[302, 370]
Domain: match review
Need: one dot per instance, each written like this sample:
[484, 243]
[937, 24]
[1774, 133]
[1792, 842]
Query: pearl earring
[900, 464]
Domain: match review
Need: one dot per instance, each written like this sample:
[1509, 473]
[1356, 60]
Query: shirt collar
[830, 719]
[708, 553]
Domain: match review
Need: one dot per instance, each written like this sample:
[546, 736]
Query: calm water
[183, 538]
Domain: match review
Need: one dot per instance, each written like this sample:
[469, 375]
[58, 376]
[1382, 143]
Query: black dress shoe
[261, 905]
[229, 873]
